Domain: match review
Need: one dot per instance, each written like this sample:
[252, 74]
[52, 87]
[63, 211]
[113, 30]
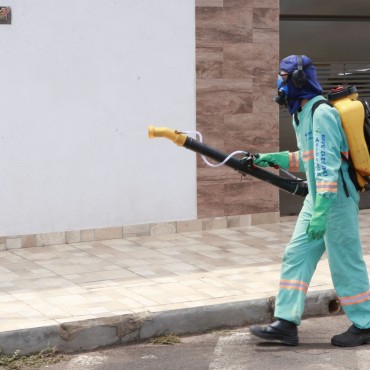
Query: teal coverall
[321, 141]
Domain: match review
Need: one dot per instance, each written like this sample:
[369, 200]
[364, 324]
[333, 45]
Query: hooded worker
[297, 83]
[328, 220]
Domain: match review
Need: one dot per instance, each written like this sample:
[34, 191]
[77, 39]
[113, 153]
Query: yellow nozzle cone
[151, 132]
[175, 136]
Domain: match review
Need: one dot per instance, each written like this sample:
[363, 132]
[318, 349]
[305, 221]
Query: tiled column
[237, 50]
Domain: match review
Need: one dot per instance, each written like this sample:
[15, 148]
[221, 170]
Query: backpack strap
[296, 120]
[317, 104]
[314, 107]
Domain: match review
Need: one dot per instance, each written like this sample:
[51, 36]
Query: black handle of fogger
[295, 187]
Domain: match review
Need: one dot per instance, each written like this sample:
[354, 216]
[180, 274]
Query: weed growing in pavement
[166, 339]
[46, 357]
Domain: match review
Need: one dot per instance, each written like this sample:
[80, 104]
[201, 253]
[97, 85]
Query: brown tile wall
[237, 51]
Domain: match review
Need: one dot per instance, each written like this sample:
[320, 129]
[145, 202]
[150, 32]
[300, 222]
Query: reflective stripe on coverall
[320, 143]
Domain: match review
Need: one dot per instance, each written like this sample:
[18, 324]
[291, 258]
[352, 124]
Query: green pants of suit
[344, 251]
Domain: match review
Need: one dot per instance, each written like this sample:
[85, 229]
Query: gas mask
[282, 91]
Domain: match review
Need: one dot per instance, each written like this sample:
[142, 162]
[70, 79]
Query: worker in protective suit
[328, 220]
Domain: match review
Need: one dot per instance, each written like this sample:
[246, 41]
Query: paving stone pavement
[44, 286]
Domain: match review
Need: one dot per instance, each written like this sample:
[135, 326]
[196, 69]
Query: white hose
[205, 160]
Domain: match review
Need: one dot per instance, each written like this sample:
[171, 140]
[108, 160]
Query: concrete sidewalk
[91, 294]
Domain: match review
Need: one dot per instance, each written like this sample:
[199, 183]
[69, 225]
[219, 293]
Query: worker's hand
[280, 159]
[317, 227]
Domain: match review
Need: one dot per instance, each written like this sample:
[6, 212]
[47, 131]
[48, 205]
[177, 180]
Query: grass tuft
[47, 356]
[169, 339]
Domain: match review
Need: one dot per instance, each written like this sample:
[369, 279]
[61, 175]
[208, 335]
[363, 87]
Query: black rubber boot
[280, 330]
[352, 337]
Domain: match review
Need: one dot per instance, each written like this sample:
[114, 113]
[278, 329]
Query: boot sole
[288, 341]
[359, 343]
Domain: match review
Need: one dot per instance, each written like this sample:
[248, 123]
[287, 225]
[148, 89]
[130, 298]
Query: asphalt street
[231, 350]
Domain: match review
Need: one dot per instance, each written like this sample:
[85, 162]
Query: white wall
[80, 82]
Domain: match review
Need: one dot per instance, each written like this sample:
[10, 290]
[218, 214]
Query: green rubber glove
[317, 227]
[280, 159]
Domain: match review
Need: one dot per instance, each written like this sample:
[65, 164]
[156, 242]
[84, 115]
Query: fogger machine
[244, 165]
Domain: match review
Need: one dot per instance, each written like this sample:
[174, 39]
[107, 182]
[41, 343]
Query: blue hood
[312, 87]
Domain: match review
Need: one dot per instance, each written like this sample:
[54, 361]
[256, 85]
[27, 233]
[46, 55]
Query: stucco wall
[80, 82]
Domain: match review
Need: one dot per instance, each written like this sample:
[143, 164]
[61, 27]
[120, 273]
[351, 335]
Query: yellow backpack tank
[353, 113]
